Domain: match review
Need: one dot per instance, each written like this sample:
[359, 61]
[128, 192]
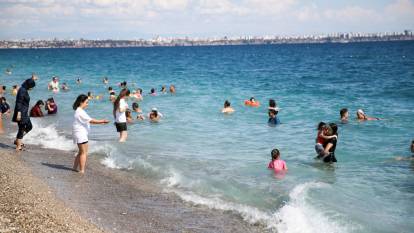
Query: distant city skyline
[129, 19]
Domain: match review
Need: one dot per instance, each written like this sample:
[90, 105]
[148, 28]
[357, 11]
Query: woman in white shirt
[80, 131]
[120, 107]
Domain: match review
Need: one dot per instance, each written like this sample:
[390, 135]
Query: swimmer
[36, 111]
[8, 71]
[65, 87]
[51, 107]
[252, 102]
[122, 84]
[152, 92]
[277, 164]
[172, 89]
[273, 119]
[321, 138]
[54, 84]
[15, 89]
[78, 81]
[273, 105]
[362, 117]
[163, 89]
[2, 90]
[90, 96]
[128, 116]
[105, 80]
[137, 109]
[227, 108]
[4, 106]
[154, 115]
[344, 115]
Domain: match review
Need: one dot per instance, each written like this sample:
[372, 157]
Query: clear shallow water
[220, 161]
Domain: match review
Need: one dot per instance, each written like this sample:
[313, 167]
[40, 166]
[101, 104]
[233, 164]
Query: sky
[135, 19]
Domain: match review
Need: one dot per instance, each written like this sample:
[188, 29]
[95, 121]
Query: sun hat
[360, 111]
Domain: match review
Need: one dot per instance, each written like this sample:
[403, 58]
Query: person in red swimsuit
[36, 111]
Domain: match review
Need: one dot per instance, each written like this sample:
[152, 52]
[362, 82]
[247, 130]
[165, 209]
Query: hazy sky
[131, 19]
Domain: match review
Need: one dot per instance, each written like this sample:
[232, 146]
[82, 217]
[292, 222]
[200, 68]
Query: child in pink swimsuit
[277, 164]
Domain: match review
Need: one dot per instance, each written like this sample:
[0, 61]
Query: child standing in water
[277, 164]
[120, 107]
[80, 131]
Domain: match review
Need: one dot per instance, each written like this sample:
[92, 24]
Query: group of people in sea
[325, 143]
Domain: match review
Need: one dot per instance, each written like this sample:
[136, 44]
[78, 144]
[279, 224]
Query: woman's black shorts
[120, 126]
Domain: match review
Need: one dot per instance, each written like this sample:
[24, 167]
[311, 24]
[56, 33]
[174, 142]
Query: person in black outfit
[330, 145]
[21, 115]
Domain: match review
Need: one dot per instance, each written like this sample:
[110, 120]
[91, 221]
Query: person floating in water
[78, 81]
[80, 131]
[163, 89]
[154, 115]
[344, 115]
[361, 116]
[152, 92]
[65, 87]
[172, 89]
[252, 102]
[227, 108]
[105, 80]
[276, 164]
[137, 109]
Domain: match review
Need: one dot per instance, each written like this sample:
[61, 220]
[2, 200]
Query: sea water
[220, 161]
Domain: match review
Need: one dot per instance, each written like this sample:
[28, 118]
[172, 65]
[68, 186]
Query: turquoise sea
[220, 161]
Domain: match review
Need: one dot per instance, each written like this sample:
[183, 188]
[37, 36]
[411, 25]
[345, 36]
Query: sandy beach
[27, 204]
[41, 193]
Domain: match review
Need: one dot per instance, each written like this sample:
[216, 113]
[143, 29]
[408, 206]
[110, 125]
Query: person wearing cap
[54, 84]
[361, 116]
[21, 112]
[154, 115]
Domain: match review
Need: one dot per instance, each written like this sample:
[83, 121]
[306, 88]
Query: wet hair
[3, 99]
[251, 98]
[321, 125]
[272, 103]
[14, 86]
[135, 105]
[89, 93]
[128, 113]
[124, 92]
[4, 88]
[154, 113]
[139, 90]
[152, 90]
[109, 88]
[226, 104]
[343, 111]
[40, 102]
[275, 154]
[79, 100]
[334, 128]
[51, 100]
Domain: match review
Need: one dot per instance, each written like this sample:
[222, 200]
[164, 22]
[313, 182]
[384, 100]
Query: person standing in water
[277, 164]
[120, 107]
[361, 116]
[80, 131]
[21, 111]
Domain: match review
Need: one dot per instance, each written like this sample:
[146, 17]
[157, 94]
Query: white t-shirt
[81, 126]
[54, 85]
[120, 117]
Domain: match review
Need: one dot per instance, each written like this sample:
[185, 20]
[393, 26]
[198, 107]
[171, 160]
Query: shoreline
[109, 199]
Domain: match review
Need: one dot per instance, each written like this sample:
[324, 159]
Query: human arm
[98, 122]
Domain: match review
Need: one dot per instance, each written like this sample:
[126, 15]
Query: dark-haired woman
[21, 112]
[227, 107]
[120, 107]
[51, 107]
[330, 145]
[80, 131]
[36, 111]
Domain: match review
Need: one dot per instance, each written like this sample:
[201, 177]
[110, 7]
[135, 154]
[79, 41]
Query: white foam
[296, 216]
[299, 216]
[48, 137]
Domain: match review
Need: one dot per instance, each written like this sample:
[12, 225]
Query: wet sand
[112, 200]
